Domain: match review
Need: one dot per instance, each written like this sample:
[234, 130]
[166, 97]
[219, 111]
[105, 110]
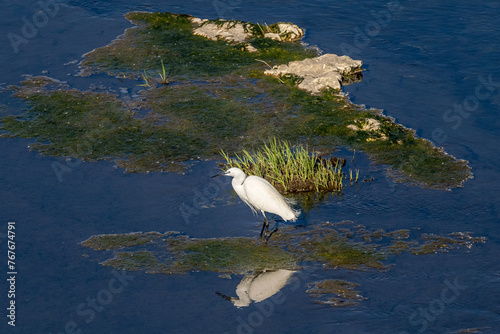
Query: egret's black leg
[264, 226]
[268, 236]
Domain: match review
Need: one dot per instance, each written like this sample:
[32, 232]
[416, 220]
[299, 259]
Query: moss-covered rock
[204, 95]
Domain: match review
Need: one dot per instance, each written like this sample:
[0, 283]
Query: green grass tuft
[289, 169]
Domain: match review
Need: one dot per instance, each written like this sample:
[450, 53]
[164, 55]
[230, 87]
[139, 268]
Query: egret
[259, 286]
[259, 194]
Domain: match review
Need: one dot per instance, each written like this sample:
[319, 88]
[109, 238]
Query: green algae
[114, 241]
[339, 245]
[218, 98]
[230, 255]
[335, 293]
[94, 126]
[169, 37]
[133, 261]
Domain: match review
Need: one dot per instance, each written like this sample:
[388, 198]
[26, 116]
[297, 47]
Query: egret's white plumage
[260, 195]
[260, 286]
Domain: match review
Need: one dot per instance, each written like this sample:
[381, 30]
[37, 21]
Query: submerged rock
[336, 293]
[370, 125]
[326, 71]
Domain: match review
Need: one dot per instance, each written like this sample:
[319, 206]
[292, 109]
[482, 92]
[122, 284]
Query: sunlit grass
[163, 77]
[290, 169]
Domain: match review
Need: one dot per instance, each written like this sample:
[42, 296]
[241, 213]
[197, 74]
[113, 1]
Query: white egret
[259, 286]
[259, 194]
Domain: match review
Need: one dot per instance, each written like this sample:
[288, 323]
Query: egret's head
[233, 172]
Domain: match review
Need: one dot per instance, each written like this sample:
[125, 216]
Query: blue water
[422, 62]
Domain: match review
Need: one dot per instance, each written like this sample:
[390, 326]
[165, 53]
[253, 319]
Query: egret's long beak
[223, 173]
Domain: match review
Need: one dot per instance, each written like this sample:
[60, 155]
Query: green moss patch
[230, 255]
[114, 241]
[205, 95]
[133, 261]
[336, 293]
[340, 245]
[169, 37]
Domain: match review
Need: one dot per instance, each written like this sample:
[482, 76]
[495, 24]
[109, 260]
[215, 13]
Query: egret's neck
[238, 180]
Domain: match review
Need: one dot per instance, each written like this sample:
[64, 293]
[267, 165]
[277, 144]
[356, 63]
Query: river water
[431, 65]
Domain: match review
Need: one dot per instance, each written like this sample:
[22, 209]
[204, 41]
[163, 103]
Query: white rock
[273, 35]
[251, 48]
[325, 71]
[293, 30]
[230, 31]
[196, 20]
[369, 125]
[234, 31]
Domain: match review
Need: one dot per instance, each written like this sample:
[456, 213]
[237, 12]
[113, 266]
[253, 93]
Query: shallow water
[424, 60]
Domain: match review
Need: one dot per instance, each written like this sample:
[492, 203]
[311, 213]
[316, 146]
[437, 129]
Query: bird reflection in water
[259, 286]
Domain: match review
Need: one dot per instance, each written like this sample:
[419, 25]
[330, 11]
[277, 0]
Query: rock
[243, 32]
[230, 31]
[289, 31]
[369, 125]
[273, 35]
[318, 73]
[251, 48]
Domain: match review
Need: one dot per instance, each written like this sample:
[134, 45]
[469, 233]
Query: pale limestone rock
[197, 20]
[251, 48]
[292, 30]
[238, 32]
[325, 71]
[273, 35]
[369, 125]
[230, 31]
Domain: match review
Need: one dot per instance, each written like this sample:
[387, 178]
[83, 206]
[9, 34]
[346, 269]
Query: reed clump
[290, 169]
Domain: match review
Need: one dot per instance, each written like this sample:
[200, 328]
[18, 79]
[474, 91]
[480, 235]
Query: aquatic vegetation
[114, 241]
[336, 293]
[339, 245]
[133, 261]
[170, 37]
[290, 169]
[94, 126]
[229, 255]
[217, 98]
[148, 80]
